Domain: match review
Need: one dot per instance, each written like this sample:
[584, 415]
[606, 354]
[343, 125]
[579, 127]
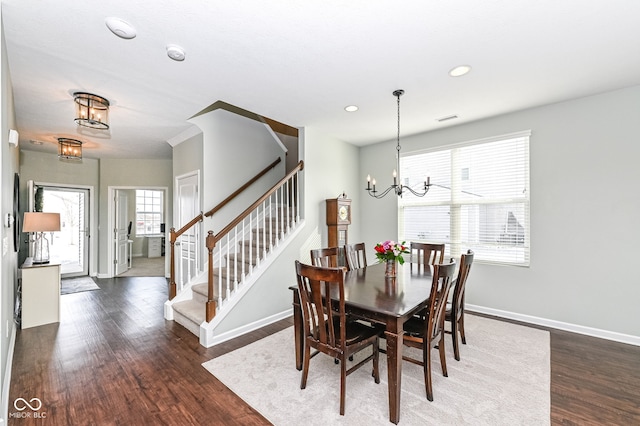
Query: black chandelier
[397, 188]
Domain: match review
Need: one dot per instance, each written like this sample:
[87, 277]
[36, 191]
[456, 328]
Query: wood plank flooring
[114, 360]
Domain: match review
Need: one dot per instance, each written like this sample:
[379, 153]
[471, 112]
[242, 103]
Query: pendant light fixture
[397, 188]
[91, 110]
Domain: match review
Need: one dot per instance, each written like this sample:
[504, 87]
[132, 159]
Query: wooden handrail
[242, 188]
[249, 209]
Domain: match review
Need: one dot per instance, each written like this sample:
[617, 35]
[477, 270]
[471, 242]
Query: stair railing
[174, 235]
[272, 216]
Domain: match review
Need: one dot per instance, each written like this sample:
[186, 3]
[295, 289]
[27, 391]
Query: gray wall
[584, 214]
[9, 156]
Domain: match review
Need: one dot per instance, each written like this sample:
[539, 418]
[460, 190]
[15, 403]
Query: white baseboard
[228, 335]
[574, 328]
[6, 385]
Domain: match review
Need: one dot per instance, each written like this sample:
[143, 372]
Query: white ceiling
[302, 62]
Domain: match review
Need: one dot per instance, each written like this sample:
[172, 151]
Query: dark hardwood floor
[114, 360]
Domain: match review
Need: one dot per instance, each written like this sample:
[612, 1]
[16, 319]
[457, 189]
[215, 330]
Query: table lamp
[40, 223]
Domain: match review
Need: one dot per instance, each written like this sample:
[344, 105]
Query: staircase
[238, 256]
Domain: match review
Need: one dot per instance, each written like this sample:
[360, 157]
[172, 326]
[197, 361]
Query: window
[148, 211]
[479, 199]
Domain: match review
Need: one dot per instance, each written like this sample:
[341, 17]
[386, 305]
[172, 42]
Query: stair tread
[191, 309]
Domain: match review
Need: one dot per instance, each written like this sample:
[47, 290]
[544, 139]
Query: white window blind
[148, 211]
[479, 199]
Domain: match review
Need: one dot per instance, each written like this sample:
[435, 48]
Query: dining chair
[428, 332]
[328, 257]
[454, 312]
[427, 253]
[355, 256]
[325, 324]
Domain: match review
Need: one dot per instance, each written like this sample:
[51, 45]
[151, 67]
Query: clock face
[343, 213]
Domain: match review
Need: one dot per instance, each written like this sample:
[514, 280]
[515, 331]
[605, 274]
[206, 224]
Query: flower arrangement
[391, 250]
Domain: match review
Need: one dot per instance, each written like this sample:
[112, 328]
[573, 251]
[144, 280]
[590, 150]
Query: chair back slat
[427, 253]
[328, 257]
[442, 278]
[355, 255]
[457, 300]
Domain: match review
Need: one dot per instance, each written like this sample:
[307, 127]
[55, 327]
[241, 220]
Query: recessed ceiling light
[459, 70]
[121, 28]
[35, 142]
[175, 52]
[351, 108]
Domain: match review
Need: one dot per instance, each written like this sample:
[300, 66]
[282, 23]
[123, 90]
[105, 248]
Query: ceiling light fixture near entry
[460, 70]
[121, 28]
[91, 110]
[175, 52]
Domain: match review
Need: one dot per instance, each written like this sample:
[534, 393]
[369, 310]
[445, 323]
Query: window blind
[479, 199]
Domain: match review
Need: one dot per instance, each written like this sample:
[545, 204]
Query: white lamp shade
[41, 222]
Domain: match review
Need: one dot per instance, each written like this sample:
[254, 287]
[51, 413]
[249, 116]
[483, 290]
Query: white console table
[40, 293]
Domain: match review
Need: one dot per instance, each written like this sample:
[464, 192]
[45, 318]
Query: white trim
[183, 136]
[231, 334]
[574, 328]
[6, 385]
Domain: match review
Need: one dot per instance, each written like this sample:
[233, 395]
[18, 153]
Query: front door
[71, 245]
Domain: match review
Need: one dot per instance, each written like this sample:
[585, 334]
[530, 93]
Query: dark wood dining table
[386, 301]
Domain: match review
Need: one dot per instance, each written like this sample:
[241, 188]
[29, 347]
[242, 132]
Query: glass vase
[390, 268]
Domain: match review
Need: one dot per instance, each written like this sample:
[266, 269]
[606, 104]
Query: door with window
[187, 245]
[71, 245]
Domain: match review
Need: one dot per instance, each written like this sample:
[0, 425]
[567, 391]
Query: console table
[40, 293]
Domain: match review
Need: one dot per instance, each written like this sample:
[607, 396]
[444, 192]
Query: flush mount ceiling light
[121, 28]
[69, 149]
[351, 108]
[91, 110]
[460, 70]
[175, 52]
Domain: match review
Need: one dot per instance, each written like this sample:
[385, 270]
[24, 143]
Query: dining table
[389, 302]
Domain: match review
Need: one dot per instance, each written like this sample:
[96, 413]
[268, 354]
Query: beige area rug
[503, 378]
[77, 285]
[145, 267]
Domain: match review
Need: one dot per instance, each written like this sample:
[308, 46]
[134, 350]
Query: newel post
[172, 265]
[211, 302]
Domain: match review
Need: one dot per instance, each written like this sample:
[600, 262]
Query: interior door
[71, 245]
[187, 245]
[121, 239]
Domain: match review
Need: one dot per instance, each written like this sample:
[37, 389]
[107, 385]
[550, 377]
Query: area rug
[76, 285]
[503, 378]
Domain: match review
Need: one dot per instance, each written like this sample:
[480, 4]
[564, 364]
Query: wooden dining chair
[355, 255]
[455, 310]
[428, 333]
[325, 324]
[328, 257]
[427, 253]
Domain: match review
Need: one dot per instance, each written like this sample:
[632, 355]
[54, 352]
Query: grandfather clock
[338, 220]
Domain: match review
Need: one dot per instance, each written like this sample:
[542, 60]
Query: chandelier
[91, 110]
[397, 188]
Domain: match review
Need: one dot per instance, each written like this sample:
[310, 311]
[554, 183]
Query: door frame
[111, 223]
[200, 247]
[92, 246]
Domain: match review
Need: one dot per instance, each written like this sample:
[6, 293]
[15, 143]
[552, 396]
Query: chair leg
[443, 357]
[305, 366]
[461, 327]
[376, 353]
[343, 385]
[426, 359]
[454, 339]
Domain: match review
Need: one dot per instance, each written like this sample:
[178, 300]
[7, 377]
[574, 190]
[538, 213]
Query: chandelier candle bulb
[368, 182]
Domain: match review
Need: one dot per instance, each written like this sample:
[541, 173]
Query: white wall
[584, 214]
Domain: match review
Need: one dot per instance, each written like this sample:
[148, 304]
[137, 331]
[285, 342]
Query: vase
[390, 268]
